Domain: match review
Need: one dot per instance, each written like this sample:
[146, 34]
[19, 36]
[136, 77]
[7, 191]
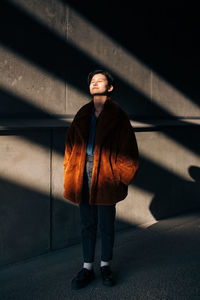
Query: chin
[100, 94]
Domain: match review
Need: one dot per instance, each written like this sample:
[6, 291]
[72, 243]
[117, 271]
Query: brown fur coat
[115, 155]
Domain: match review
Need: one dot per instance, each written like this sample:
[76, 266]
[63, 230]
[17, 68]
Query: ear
[110, 88]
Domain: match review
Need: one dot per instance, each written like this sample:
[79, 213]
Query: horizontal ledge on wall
[29, 123]
[157, 123]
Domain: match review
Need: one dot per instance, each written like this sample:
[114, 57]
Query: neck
[99, 102]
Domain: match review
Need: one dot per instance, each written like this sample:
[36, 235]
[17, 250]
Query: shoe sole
[76, 287]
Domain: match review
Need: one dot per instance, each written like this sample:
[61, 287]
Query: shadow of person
[177, 196]
[195, 173]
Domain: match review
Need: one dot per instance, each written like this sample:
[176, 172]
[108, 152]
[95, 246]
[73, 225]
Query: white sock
[104, 263]
[88, 266]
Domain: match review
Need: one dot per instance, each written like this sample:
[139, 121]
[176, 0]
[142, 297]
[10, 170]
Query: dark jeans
[91, 215]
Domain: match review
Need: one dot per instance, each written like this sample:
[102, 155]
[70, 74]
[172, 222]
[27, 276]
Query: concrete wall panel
[25, 195]
[31, 85]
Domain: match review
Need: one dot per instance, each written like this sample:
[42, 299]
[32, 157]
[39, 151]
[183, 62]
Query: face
[99, 85]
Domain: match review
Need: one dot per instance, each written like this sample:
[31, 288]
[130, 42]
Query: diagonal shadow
[38, 44]
[163, 36]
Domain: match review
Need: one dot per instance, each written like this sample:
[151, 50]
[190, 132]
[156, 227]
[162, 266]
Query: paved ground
[161, 262]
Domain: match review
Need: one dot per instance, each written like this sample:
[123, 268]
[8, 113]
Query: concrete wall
[47, 48]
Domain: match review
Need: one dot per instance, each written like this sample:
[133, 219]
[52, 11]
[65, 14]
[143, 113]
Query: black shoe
[83, 278]
[107, 277]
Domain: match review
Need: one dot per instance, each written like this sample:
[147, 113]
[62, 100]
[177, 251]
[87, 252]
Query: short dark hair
[105, 73]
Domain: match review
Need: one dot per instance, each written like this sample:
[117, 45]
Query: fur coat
[115, 155]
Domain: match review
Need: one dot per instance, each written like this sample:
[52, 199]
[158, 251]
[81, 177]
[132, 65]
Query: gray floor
[161, 262]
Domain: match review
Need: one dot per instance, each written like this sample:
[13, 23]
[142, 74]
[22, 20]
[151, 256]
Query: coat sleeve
[127, 155]
[68, 144]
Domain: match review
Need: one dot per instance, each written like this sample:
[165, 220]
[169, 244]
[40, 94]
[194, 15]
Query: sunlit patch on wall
[25, 163]
[135, 208]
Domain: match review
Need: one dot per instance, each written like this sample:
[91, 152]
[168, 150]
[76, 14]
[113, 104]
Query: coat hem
[99, 203]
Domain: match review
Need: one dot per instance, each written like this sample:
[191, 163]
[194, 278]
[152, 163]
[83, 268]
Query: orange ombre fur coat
[115, 155]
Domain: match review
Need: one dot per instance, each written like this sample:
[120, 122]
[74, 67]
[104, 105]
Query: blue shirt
[90, 144]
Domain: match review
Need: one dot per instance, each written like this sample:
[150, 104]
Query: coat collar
[105, 123]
